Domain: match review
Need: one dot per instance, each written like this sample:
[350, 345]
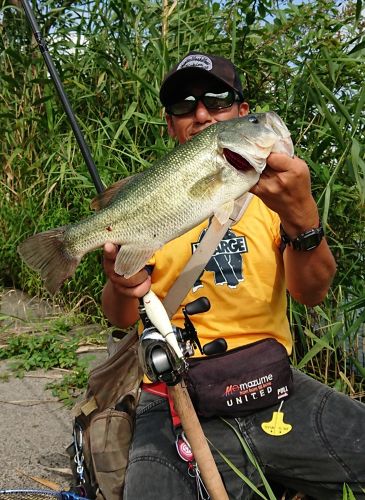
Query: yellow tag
[276, 426]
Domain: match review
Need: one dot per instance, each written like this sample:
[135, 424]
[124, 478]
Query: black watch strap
[308, 240]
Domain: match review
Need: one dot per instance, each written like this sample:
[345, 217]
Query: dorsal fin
[104, 199]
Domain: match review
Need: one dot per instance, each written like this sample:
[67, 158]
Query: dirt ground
[35, 428]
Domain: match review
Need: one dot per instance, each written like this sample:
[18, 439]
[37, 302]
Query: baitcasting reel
[163, 348]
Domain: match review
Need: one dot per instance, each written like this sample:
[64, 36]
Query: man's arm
[120, 295]
[285, 187]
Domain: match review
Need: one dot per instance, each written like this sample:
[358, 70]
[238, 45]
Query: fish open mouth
[236, 160]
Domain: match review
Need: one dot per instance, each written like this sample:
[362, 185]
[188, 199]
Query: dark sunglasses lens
[183, 107]
[210, 100]
[218, 101]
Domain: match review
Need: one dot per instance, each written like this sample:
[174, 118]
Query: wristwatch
[308, 240]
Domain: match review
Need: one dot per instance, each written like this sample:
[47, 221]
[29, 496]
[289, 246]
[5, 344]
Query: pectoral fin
[130, 259]
[207, 186]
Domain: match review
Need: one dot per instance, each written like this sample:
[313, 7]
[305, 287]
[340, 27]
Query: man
[324, 447]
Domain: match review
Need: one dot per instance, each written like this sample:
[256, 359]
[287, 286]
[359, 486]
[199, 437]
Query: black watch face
[310, 241]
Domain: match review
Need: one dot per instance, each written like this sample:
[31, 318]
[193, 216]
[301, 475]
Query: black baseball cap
[217, 67]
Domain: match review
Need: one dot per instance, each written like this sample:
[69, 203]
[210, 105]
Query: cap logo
[196, 61]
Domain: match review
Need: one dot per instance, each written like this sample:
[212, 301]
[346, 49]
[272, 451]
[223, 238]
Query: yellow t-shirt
[244, 280]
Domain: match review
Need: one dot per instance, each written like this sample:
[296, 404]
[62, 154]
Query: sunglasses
[210, 100]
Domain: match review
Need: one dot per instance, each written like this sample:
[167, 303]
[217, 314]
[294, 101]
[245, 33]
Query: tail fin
[47, 254]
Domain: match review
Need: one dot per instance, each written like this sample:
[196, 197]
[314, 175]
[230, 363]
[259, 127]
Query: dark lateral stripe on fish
[236, 160]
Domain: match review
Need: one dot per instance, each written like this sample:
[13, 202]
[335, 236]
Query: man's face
[184, 127]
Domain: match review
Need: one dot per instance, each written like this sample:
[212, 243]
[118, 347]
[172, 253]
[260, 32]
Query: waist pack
[103, 425]
[241, 380]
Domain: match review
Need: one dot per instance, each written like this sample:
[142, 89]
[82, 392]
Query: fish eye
[253, 119]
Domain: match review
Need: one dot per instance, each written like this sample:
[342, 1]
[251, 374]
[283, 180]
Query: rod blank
[64, 99]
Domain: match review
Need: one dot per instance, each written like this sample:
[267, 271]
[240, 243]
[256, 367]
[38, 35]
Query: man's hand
[136, 286]
[285, 187]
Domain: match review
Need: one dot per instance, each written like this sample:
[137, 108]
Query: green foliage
[71, 385]
[253, 460]
[55, 345]
[329, 342]
[47, 350]
[303, 61]
[347, 493]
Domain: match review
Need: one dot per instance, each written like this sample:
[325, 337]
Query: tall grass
[303, 61]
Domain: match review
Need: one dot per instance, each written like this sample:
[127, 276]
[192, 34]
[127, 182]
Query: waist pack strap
[160, 389]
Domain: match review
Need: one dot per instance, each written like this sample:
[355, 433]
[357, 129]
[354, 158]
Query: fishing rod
[64, 99]
[154, 308]
[62, 95]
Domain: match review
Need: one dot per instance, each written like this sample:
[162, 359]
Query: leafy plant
[304, 61]
[40, 351]
[56, 346]
[71, 385]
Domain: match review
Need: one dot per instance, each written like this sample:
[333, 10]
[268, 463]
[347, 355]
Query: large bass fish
[195, 180]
